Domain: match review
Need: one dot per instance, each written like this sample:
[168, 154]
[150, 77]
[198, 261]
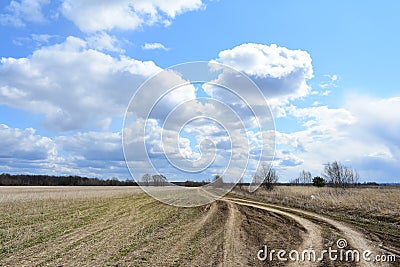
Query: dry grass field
[121, 226]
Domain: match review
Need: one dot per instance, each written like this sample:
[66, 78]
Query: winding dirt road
[312, 237]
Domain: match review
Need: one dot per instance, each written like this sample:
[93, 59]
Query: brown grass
[121, 226]
[75, 226]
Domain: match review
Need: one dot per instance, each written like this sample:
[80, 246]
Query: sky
[327, 69]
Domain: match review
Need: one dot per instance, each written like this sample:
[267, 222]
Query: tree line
[335, 174]
[154, 180]
[47, 180]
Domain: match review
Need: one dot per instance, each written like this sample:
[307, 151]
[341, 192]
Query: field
[122, 226]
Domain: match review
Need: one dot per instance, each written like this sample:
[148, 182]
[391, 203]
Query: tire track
[313, 239]
[233, 247]
[184, 239]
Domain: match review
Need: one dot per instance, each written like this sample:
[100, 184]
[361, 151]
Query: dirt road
[312, 238]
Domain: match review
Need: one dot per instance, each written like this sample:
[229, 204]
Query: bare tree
[295, 181]
[159, 180]
[338, 175]
[266, 176]
[356, 178]
[304, 177]
[146, 179]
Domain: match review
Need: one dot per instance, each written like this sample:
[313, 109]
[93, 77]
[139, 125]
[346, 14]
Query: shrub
[318, 181]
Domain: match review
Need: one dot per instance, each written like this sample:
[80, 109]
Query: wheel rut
[312, 237]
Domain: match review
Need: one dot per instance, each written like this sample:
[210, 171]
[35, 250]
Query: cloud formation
[92, 16]
[74, 86]
[361, 134]
[104, 146]
[25, 144]
[18, 13]
[154, 46]
[78, 86]
[102, 41]
[279, 72]
[94, 154]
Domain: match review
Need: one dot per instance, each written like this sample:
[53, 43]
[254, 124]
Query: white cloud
[162, 100]
[217, 145]
[104, 42]
[287, 158]
[363, 134]
[91, 16]
[328, 119]
[154, 46]
[103, 146]
[278, 71]
[326, 93]
[316, 103]
[20, 12]
[378, 121]
[91, 154]
[25, 144]
[42, 38]
[36, 40]
[329, 82]
[75, 87]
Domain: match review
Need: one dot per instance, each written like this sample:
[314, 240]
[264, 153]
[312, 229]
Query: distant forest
[47, 180]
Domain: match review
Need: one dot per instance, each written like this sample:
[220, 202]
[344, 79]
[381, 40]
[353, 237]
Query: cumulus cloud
[91, 154]
[212, 134]
[232, 142]
[19, 12]
[154, 46]
[287, 158]
[279, 72]
[104, 146]
[162, 100]
[74, 86]
[362, 134]
[322, 118]
[25, 144]
[91, 16]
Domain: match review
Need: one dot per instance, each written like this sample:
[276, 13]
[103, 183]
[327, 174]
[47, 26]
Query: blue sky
[69, 67]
